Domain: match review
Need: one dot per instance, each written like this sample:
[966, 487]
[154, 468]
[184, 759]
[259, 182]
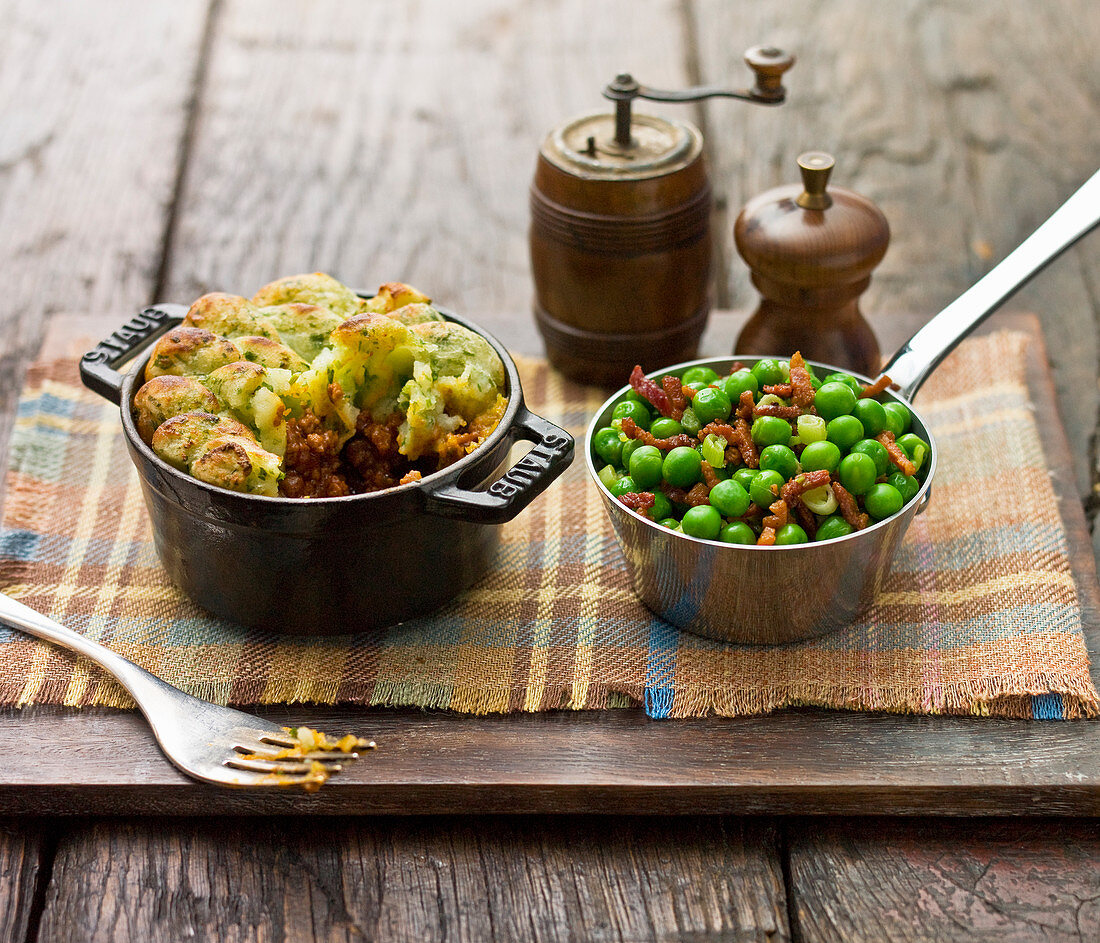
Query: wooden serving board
[59, 761]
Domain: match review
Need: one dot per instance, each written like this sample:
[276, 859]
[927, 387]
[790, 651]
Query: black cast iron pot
[330, 565]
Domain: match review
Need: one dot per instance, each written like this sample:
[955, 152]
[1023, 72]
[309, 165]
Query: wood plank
[489, 879]
[409, 150]
[880, 881]
[963, 122]
[24, 852]
[791, 762]
[95, 111]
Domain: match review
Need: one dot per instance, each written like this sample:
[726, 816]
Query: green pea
[882, 500]
[745, 477]
[690, 422]
[872, 414]
[834, 399]
[608, 446]
[780, 458]
[736, 384]
[844, 431]
[771, 430]
[632, 409]
[665, 428]
[767, 372]
[790, 534]
[635, 397]
[834, 526]
[699, 374]
[683, 467]
[761, 490]
[645, 467]
[898, 418]
[629, 447]
[737, 533]
[662, 507]
[730, 498]
[711, 405]
[703, 521]
[907, 485]
[857, 472]
[624, 485]
[877, 452]
[915, 447]
[846, 378]
[670, 522]
[695, 385]
[821, 455]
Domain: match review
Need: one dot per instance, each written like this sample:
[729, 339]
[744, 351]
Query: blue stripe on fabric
[1025, 537]
[18, 544]
[1047, 707]
[660, 669]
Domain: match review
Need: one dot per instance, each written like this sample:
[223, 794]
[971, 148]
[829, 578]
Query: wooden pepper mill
[811, 251]
[620, 230]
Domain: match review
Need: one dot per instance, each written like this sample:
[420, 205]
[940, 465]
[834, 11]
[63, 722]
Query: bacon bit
[688, 392]
[633, 431]
[802, 387]
[778, 516]
[640, 501]
[879, 386]
[699, 494]
[779, 389]
[648, 390]
[745, 405]
[897, 456]
[805, 518]
[710, 479]
[674, 390]
[723, 429]
[733, 455]
[766, 538]
[753, 513]
[743, 440]
[806, 481]
[774, 409]
[849, 510]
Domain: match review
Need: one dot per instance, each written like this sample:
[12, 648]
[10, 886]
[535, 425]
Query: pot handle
[519, 486]
[98, 366]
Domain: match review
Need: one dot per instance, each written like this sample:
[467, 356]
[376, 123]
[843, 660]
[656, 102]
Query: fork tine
[321, 756]
[276, 766]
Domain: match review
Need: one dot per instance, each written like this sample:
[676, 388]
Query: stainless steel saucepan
[773, 595]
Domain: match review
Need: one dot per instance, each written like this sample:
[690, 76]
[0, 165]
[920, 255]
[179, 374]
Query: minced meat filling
[317, 467]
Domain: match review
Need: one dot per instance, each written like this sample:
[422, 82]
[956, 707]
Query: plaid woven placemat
[980, 614]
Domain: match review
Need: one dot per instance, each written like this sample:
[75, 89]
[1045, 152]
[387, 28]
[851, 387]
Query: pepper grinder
[620, 230]
[811, 250]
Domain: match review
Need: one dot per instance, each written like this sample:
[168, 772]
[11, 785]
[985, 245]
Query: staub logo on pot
[529, 468]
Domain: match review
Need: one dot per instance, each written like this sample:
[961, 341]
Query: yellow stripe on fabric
[68, 424]
[542, 628]
[975, 424]
[589, 600]
[82, 534]
[1001, 584]
[129, 523]
[993, 391]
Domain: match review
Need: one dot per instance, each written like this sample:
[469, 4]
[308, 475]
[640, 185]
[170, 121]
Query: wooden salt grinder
[811, 253]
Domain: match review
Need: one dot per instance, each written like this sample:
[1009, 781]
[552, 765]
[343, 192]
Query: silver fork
[211, 743]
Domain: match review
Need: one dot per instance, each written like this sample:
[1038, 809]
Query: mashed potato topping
[308, 390]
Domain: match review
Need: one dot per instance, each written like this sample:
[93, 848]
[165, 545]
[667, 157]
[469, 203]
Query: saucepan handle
[519, 486]
[98, 367]
[924, 351]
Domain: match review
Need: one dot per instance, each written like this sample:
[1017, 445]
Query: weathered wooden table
[155, 151]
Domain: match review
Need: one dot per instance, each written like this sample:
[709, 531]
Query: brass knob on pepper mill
[811, 249]
[620, 230]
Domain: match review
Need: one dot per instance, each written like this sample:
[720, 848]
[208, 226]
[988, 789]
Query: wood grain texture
[23, 852]
[968, 124]
[389, 140]
[508, 880]
[880, 881]
[95, 108]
